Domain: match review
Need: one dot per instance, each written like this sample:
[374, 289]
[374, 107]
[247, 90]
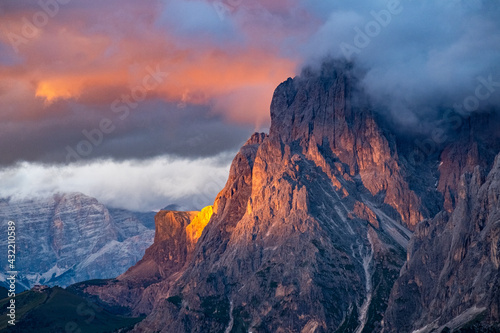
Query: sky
[144, 104]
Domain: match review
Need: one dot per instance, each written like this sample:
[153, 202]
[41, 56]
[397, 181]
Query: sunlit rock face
[340, 134]
[311, 229]
[309, 232]
[452, 274]
[175, 238]
[176, 235]
[68, 238]
[196, 226]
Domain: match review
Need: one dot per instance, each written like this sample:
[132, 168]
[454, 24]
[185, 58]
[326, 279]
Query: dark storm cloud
[417, 57]
[155, 129]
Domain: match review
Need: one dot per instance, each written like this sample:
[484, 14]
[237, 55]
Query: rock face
[142, 285]
[308, 234]
[69, 238]
[476, 144]
[175, 238]
[311, 229]
[452, 274]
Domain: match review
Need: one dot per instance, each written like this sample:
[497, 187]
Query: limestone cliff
[452, 274]
[70, 237]
[309, 232]
[138, 288]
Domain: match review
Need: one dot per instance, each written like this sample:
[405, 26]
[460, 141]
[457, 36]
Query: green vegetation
[58, 310]
[25, 302]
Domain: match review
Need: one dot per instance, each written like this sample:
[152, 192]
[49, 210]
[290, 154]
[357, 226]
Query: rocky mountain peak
[321, 116]
[310, 231]
[309, 213]
[475, 143]
[452, 273]
[69, 237]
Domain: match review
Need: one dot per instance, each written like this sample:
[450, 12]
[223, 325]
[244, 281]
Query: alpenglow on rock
[310, 232]
[69, 238]
[147, 282]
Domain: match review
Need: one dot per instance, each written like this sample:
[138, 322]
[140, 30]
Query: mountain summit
[310, 231]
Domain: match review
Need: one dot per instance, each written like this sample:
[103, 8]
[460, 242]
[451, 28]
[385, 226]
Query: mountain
[69, 238]
[310, 215]
[176, 235]
[452, 274]
[311, 231]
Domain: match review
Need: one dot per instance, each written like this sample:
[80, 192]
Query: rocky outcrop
[176, 235]
[69, 238]
[311, 229]
[475, 144]
[309, 232]
[321, 114]
[452, 276]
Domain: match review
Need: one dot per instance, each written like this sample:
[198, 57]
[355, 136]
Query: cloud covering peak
[417, 56]
[80, 76]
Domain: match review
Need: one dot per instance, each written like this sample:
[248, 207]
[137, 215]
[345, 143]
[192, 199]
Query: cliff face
[321, 114]
[309, 232]
[176, 235]
[476, 144]
[452, 273]
[69, 238]
[143, 284]
[311, 229]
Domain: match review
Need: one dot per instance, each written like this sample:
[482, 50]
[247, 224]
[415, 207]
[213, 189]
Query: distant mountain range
[71, 237]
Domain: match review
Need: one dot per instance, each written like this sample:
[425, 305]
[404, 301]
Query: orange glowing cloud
[217, 73]
[72, 85]
[51, 91]
[66, 62]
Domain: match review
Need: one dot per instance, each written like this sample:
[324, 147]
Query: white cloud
[136, 185]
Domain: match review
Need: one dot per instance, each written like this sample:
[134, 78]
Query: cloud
[145, 185]
[220, 61]
[418, 56]
[153, 129]
[86, 61]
